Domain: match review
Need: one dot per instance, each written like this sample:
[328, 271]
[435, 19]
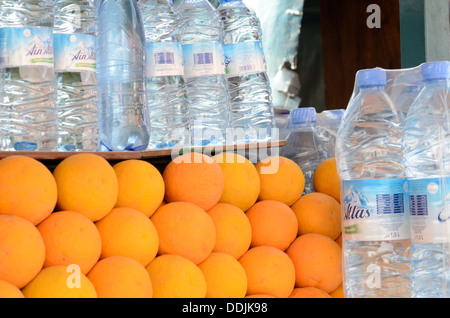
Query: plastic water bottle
[375, 224]
[252, 115]
[426, 149]
[27, 77]
[204, 69]
[166, 90]
[121, 75]
[303, 145]
[75, 37]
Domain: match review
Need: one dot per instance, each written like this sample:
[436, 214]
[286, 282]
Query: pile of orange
[207, 226]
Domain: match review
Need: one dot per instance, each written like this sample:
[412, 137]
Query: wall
[350, 45]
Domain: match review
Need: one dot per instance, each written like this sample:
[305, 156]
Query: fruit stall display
[206, 226]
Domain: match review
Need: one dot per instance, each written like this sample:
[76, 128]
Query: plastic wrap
[327, 126]
[310, 138]
[404, 87]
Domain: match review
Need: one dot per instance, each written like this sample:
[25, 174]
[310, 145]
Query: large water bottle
[204, 67]
[166, 90]
[252, 115]
[75, 37]
[426, 147]
[375, 225]
[121, 75]
[27, 77]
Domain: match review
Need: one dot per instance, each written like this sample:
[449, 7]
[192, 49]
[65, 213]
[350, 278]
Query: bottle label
[203, 59]
[26, 47]
[244, 58]
[427, 199]
[374, 210]
[164, 59]
[74, 52]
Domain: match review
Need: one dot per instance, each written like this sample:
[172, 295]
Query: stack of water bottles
[393, 159]
[27, 77]
[123, 75]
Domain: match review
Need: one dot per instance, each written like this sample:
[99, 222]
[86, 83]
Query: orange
[70, 238]
[128, 232]
[194, 177]
[28, 188]
[338, 292]
[241, 180]
[233, 229]
[120, 277]
[326, 179]
[60, 282]
[317, 260]
[22, 250]
[309, 292]
[8, 290]
[281, 180]
[269, 270]
[174, 276]
[225, 277]
[87, 184]
[185, 229]
[273, 223]
[141, 186]
[318, 213]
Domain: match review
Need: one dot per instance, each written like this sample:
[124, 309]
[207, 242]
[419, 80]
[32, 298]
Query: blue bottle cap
[305, 115]
[371, 77]
[436, 70]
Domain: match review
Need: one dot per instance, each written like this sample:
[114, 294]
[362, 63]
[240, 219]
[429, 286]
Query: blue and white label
[427, 199]
[74, 52]
[244, 58]
[164, 59]
[374, 210]
[26, 47]
[203, 59]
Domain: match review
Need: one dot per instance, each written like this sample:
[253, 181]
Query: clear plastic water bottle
[375, 224]
[124, 123]
[75, 37]
[27, 77]
[166, 89]
[426, 148]
[252, 115]
[303, 145]
[204, 69]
